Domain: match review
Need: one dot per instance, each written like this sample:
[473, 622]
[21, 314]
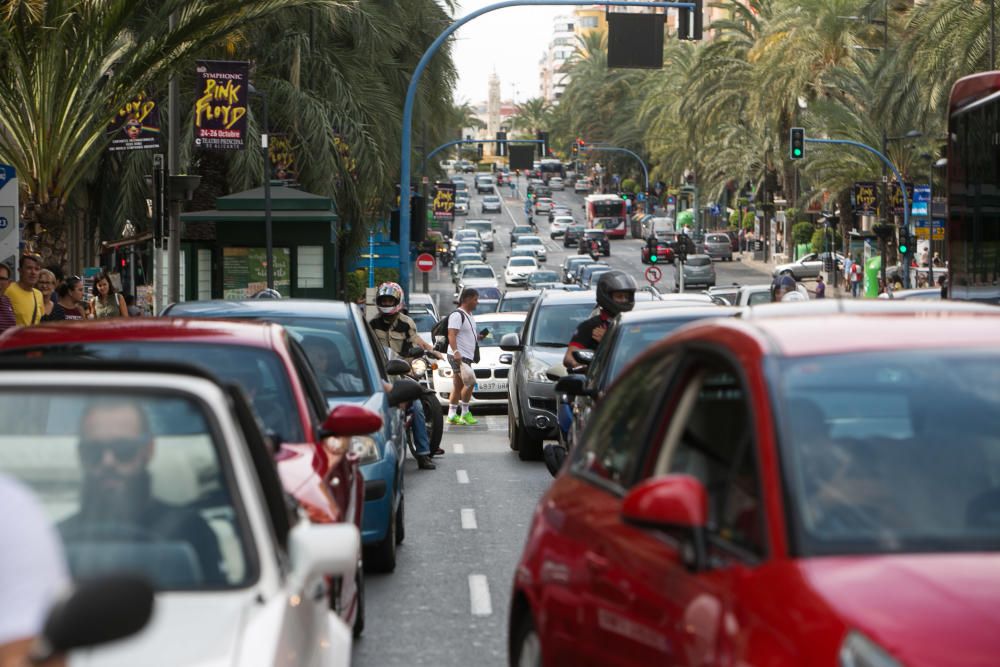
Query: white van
[659, 227]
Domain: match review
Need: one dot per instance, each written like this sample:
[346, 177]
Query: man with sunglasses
[115, 449]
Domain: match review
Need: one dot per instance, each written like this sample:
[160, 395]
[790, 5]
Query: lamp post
[268, 240]
[912, 134]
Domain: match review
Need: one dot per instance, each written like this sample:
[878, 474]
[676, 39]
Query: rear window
[516, 304]
[718, 238]
[479, 226]
[522, 261]
[478, 272]
[529, 240]
[699, 261]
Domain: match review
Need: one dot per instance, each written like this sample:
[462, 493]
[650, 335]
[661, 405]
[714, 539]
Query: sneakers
[467, 418]
[455, 419]
[425, 463]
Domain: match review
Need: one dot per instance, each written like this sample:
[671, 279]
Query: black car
[572, 235]
[583, 245]
[518, 230]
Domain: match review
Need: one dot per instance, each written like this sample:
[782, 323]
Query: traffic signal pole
[457, 142]
[411, 97]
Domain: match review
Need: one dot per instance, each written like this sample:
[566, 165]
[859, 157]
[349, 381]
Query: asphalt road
[446, 604]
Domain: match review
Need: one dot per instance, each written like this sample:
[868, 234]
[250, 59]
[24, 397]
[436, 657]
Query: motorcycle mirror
[397, 367]
[583, 357]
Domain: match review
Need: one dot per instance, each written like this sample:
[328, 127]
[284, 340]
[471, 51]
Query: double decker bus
[973, 226]
[607, 212]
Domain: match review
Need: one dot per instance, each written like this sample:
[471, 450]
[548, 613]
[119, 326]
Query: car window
[522, 261]
[757, 298]
[553, 325]
[489, 293]
[132, 481]
[612, 447]
[699, 261]
[477, 272]
[497, 330]
[543, 277]
[710, 437]
[309, 380]
[516, 304]
[424, 319]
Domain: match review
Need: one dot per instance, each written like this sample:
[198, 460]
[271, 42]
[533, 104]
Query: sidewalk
[841, 289]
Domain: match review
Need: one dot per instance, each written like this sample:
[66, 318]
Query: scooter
[555, 454]
[420, 371]
[595, 251]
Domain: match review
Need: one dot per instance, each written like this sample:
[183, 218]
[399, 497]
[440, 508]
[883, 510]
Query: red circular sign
[425, 262]
[653, 274]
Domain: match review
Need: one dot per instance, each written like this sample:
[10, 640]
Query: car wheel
[401, 520]
[359, 617]
[525, 644]
[381, 557]
[529, 448]
[512, 432]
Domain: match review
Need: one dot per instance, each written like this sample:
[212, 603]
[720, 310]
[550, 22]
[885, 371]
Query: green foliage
[357, 281]
[734, 219]
[629, 185]
[820, 239]
[748, 220]
[802, 232]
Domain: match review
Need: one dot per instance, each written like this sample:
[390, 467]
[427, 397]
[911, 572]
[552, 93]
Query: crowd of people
[43, 295]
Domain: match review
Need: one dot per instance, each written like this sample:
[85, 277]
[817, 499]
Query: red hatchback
[784, 491]
[315, 462]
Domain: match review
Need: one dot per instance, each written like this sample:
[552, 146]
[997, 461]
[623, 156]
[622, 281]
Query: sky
[510, 40]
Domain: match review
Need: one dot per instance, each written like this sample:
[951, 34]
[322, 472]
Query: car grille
[501, 372]
[548, 404]
[482, 372]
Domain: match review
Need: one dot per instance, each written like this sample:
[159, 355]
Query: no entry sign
[425, 262]
[653, 275]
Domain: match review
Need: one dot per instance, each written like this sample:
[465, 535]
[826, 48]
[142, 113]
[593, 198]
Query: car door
[811, 265]
[604, 466]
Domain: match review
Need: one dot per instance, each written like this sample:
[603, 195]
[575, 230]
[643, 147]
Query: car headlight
[419, 367]
[537, 371]
[858, 650]
[366, 448]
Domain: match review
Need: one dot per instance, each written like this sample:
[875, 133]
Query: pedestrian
[923, 258]
[25, 299]
[848, 261]
[820, 288]
[107, 302]
[57, 271]
[47, 286]
[7, 319]
[463, 341]
[71, 304]
[937, 260]
[943, 284]
[856, 276]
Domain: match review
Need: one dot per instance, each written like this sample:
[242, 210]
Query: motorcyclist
[615, 294]
[398, 332]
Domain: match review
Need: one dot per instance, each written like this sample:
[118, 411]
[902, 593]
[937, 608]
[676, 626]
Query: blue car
[358, 375]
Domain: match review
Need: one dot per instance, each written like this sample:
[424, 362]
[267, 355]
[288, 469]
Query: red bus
[973, 227]
[607, 212]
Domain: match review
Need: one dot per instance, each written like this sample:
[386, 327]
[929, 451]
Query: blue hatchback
[351, 367]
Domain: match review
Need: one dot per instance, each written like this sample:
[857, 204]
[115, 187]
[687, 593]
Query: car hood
[925, 609]
[543, 355]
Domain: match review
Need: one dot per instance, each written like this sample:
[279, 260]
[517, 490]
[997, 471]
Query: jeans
[419, 429]
[855, 288]
[565, 417]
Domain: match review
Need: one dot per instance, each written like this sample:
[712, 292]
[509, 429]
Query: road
[466, 522]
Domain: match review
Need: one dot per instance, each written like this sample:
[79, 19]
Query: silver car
[719, 246]
[808, 266]
[698, 270]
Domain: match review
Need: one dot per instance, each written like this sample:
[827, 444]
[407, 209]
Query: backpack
[439, 334]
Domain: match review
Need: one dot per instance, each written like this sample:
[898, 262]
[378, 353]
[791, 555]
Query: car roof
[528, 237]
[260, 308]
[655, 311]
[160, 329]
[502, 317]
[531, 257]
[490, 222]
[522, 294]
[563, 296]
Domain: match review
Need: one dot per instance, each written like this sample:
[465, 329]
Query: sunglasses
[125, 450]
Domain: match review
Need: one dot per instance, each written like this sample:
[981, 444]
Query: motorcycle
[595, 250]
[421, 369]
[555, 454]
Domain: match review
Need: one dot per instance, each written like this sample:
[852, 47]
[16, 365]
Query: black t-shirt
[583, 337]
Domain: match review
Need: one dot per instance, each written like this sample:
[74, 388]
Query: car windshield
[892, 452]
[477, 272]
[522, 261]
[597, 234]
[554, 324]
[634, 338]
[492, 199]
[699, 261]
[497, 330]
[517, 303]
[522, 229]
[543, 277]
[467, 235]
[480, 226]
[529, 240]
[258, 371]
[717, 238]
[563, 221]
[757, 298]
[132, 481]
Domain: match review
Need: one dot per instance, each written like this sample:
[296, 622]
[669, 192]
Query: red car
[782, 491]
[664, 254]
[317, 467]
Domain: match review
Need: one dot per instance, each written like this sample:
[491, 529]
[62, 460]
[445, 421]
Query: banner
[10, 221]
[136, 126]
[244, 272]
[444, 201]
[220, 108]
[279, 150]
[896, 196]
[865, 196]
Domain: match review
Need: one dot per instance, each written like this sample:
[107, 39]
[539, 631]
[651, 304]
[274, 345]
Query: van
[661, 228]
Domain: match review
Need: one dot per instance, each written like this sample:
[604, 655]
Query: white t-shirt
[467, 336]
[32, 565]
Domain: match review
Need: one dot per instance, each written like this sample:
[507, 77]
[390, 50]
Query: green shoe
[467, 418]
[455, 419]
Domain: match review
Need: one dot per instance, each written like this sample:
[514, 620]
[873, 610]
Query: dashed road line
[463, 476]
[469, 519]
[479, 595]
[458, 448]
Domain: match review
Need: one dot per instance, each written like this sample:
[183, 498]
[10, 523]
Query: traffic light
[502, 144]
[479, 151]
[544, 146]
[904, 241]
[689, 22]
[796, 143]
[653, 257]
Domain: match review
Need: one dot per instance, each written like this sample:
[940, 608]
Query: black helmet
[780, 285]
[611, 282]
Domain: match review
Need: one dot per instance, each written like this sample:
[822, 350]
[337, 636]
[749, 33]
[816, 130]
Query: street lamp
[268, 241]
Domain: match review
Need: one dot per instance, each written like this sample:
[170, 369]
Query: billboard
[282, 157]
[865, 196]
[244, 272]
[220, 108]
[136, 126]
[444, 201]
[10, 222]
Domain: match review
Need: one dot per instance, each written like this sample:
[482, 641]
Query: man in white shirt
[32, 570]
[463, 338]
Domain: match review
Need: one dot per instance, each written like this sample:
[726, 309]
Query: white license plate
[491, 385]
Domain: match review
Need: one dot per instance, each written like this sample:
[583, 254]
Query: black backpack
[439, 334]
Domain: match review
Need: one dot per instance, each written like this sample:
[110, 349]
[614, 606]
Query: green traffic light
[903, 249]
[798, 152]
[653, 259]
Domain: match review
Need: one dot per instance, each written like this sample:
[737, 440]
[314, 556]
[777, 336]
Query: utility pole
[173, 158]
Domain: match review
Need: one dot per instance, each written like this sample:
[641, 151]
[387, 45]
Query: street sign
[924, 230]
[653, 275]
[425, 262]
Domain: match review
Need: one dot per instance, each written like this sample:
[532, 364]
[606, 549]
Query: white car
[494, 364]
[559, 224]
[464, 235]
[240, 578]
[556, 183]
[543, 205]
[581, 186]
[461, 206]
[485, 229]
[534, 243]
[477, 272]
[518, 269]
[490, 204]
[755, 295]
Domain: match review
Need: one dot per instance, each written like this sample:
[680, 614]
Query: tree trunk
[46, 231]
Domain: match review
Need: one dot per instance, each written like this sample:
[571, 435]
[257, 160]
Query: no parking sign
[653, 275]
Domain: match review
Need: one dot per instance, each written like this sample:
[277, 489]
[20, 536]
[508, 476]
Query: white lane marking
[458, 448]
[463, 476]
[469, 519]
[479, 595]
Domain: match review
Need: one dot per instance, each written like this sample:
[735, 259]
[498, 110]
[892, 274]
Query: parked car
[719, 246]
[556, 183]
[490, 204]
[570, 265]
[156, 470]
[808, 266]
[698, 270]
[559, 226]
[531, 410]
[589, 235]
[485, 229]
[788, 491]
[518, 302]
[542, 279]
[493, 366]
[572, 235]
[755, 295]
[534, 243]
[518, 269]
[582, 186]
[363, 359]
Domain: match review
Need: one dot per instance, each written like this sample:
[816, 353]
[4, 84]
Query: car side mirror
[404, 390]
[97, 611]
[583, 357]
[348, 420]
[511, 342]
[574, 384]
[672, 502]
[397, 367]
[316, 550]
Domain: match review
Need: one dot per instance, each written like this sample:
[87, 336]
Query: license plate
[491, 385]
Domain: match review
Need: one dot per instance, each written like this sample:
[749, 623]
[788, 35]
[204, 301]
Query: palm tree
[532, 116]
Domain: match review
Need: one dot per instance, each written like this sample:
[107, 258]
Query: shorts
[464, 370]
